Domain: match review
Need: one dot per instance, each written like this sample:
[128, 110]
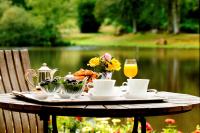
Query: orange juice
[130, 70]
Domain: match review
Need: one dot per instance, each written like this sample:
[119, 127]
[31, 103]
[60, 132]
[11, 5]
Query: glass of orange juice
[130, 68]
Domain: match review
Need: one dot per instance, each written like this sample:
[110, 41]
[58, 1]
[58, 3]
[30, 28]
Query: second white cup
[103, 87]
[137, 86]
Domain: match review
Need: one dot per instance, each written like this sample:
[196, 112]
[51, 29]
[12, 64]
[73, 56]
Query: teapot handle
[27, 75]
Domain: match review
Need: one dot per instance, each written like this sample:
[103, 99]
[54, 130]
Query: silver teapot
[43, 73]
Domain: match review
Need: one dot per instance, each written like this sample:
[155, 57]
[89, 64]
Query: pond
[175, 70]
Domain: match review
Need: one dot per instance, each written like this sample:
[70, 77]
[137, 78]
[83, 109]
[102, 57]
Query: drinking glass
[130, 68]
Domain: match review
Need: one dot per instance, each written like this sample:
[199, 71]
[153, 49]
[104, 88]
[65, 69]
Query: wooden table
[174, 104]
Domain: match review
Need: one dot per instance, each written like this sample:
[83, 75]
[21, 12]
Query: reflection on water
[175, 70]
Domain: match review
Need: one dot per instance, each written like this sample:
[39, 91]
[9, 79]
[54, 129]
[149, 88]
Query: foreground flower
[115, 121]
[197, 131]
[170, 121]
[148, 127]
[87, 129]
[78, 118]
[94, 62]
[113, 65]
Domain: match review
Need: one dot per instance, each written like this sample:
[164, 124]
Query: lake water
[175, 70]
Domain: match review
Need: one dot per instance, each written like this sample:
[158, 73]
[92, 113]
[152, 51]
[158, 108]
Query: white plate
[148, 95]
[92, 96]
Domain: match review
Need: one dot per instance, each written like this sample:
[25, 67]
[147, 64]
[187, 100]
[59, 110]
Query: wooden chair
[13, 64]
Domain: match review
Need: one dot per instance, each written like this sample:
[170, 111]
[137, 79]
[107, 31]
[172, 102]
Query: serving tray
[86, 99]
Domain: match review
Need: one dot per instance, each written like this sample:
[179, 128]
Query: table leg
[143, 124]
[45, 119]
[135, 128]
[55, 129]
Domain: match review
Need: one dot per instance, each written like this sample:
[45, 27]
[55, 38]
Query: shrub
[190, 26]
[20, 28]
[86, 19]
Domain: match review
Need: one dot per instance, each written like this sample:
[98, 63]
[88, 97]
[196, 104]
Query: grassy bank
[106, 37]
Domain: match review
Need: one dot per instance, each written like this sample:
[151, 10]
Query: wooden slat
[15, 86]
[39, 124]
[6, 84]
[35, 122]
[1, 84]
[23, 87]
[25, 63]
[4, 73]
[11, 70]
[8, 121]
[2, 125]
[19, 71]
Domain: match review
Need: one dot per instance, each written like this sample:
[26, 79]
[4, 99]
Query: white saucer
[148, 95]
[93, 96]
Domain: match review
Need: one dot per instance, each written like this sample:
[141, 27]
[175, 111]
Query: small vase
[106, 75]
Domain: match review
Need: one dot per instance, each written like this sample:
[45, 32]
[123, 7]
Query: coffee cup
[137, 86]
[103, 87]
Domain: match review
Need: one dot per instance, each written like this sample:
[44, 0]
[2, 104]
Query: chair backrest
[13, 64]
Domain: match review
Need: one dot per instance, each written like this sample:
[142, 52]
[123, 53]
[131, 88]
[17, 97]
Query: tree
[130, 10]
[19, 3]
[86, 19]
[52, 12]
[173, 11]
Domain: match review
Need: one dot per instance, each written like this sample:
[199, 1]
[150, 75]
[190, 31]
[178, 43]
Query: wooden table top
[174, 104]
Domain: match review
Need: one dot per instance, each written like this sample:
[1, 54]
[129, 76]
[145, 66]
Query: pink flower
[148, 127]
[107, 57]
[170, 121]
[78, 118]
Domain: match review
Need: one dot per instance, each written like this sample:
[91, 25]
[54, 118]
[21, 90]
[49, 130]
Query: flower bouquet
[105, 65]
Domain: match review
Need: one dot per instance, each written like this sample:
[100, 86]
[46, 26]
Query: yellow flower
[94, 62]
[114, 65]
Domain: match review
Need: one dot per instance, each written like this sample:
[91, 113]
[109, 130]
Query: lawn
[106, 37]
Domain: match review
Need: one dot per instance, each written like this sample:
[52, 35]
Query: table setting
[89, 86]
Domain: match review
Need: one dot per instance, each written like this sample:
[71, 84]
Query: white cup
[103, 87]
[137, 86]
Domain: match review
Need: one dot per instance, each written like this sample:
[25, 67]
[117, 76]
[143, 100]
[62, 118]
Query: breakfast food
[82, 73]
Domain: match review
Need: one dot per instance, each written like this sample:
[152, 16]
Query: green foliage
[34, 27]
[4, 5]
[53, 13]
[190, 16]
[19, 3]
[86, 19]
[151, 19]
[149, 15]
[20, 28]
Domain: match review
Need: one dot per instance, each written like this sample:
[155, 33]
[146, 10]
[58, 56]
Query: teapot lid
[44, 68]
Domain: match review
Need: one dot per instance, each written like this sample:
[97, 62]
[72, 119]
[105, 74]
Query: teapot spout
[53, 72]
